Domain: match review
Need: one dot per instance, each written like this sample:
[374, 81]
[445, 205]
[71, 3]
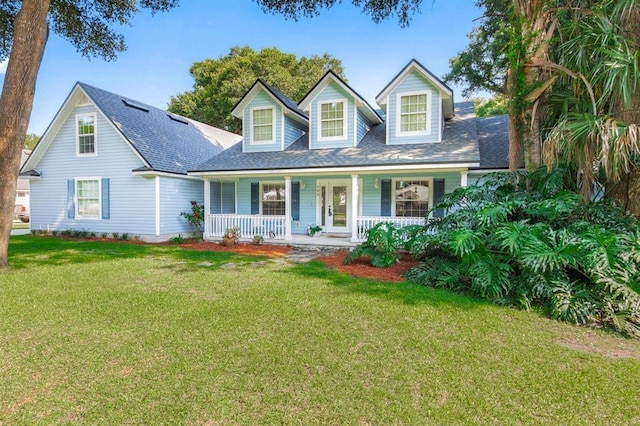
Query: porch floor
[333, 241]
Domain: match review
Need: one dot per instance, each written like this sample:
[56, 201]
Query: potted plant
[314, 230]
[231, 236]
[258, 239]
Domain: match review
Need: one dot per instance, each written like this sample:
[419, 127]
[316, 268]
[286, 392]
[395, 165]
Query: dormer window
[413, 114]
[332, 123]
[262, 125]
[86, 135]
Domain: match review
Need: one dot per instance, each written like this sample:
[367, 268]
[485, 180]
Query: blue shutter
[438, 192]
[71, 193]
[216, 198]
[295, 200]
[105, 198]
[385, 197]
[255, 198]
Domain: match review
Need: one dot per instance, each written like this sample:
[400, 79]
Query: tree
[378, 10]
[220, 83]
[597, 124]
[24, 28]
[31, 140]
[495, 106]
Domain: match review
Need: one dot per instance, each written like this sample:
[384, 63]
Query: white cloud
[3, 66]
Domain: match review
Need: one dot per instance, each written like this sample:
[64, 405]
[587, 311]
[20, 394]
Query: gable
[262, 124]
[77, 102]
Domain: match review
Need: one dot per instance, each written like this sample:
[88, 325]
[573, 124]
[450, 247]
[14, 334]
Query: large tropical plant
[527, 239]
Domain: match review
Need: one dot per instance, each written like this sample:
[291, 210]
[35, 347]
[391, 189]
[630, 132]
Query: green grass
[115, 333]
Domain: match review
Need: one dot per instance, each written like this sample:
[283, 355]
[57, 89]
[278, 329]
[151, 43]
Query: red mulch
[269, 250]
[362, 268]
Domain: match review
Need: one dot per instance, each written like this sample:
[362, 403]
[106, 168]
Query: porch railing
[364, 223]
[250, 225]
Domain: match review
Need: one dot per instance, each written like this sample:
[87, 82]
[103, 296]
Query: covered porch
[282, 207]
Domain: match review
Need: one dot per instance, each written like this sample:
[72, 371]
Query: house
[22, 192]
[109, 164]
[333, 160]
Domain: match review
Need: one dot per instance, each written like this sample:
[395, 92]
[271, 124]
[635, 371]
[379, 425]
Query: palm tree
[597, 123]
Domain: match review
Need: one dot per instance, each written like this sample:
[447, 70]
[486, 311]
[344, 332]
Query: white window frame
[405, 179]
[75, 198]
[427, 131]
[94, 116]
[345, 115]
[273, 182]
[273, 125]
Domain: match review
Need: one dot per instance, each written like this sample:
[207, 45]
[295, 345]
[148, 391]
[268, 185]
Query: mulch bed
[269, 250]
[362, 268]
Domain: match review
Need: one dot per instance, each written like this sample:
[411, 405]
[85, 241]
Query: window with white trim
[273, 199]
[262, 125]
[86, 134]
[332, 120]
[411, 197]
[413, 113]
[88, 198]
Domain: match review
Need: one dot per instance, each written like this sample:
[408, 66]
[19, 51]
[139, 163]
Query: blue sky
[162, 48]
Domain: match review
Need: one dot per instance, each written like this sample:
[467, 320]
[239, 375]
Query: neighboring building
[333, 160]
[22, 192]
[109, 164]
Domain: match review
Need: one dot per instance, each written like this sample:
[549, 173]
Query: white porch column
[207, 207]
[287, 208]
[355, 198]
[463, 178]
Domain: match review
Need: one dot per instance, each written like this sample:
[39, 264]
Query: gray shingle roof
[493, 141]
[459, 144]
[290, 104]
[167, 144]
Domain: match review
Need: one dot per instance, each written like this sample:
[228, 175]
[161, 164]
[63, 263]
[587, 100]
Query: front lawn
[112, 333]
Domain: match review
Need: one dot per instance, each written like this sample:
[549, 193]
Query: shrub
[196, 216]
[55, 232]
[124, 236]
[543, 247]
[381, 246]
[105, 235]
[115, 235]
[179, 239]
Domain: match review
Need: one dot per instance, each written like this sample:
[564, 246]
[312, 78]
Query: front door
[334, 205]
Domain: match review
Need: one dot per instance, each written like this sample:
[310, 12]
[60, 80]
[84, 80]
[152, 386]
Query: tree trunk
[29, 39]
[626, 193]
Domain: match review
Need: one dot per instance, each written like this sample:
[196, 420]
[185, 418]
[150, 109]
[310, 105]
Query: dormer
[270, 120]
[416, 104]
[338, 116]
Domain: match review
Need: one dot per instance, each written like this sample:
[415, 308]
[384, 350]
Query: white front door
[334, 205]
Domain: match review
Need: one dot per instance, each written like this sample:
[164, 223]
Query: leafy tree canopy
[87, 24]
[31, 140]
[379, 10]
[220, 83]
[497, 105]
[484, 63]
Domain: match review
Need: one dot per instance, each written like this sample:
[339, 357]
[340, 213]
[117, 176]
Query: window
[411, 198]
[273, 199]
[88, 198]
[262, 123]
[332, 120]
[86, 131]
[413, 113]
